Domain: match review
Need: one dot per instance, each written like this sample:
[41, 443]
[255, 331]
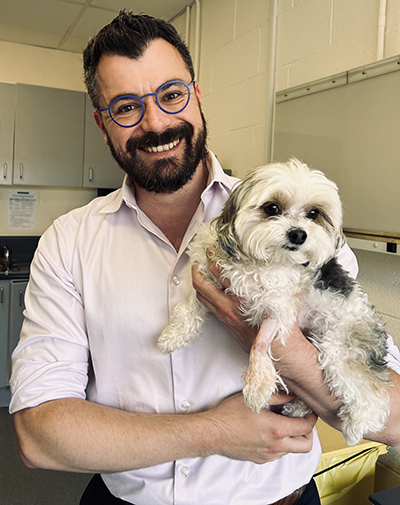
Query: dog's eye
[271, 209]
[313, 214]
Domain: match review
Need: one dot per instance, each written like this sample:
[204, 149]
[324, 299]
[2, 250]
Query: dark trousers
[97, 493]
[310, 495]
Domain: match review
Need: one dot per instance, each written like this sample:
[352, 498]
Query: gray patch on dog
[333, 277]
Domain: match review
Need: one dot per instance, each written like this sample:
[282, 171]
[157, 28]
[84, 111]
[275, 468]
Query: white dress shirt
[103, 284]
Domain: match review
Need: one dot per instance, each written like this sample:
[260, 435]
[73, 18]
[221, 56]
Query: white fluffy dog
[276, 242]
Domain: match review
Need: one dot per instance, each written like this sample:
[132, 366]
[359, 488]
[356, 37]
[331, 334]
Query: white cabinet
[12, 294]
[100, 170]
[49, 129]
[7, 112]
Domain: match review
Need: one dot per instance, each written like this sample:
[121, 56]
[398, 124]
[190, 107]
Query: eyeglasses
[128, 110]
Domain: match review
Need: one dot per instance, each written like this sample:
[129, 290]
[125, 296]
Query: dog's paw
[167, 342]
[356, 422]
[259, 382]
[351, 432]
[295, 408]
[256, 398]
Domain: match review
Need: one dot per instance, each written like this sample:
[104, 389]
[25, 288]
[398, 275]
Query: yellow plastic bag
[337, 476]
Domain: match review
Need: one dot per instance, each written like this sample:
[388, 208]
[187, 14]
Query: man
[91, 392]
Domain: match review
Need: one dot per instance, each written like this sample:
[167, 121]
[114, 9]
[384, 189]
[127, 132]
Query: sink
[15, 271]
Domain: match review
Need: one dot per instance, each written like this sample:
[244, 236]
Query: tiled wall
[316, 38]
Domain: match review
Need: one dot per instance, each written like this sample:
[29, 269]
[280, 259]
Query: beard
[165, 175]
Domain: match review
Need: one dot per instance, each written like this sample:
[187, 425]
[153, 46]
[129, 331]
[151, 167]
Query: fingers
[280, 398]
[226, 307]
[261, 437]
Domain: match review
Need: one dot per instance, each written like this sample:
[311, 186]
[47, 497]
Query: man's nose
[154, 119]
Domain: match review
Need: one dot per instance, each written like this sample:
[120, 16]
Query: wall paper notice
[22, 209]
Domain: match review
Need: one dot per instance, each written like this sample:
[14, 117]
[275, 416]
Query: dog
[275, 243]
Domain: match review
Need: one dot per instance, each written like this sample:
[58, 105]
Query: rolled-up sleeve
[51, 359]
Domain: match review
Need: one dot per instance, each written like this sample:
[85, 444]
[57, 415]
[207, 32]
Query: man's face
[180, 138]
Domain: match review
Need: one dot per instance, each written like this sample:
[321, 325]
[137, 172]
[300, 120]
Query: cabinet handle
[21, 170]
[1, 294]
[21, 297]
[90, 174]
[5, 171]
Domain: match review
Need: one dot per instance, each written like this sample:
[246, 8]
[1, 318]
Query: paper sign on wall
[22, 209]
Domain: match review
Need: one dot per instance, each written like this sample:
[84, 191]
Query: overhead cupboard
[48, 138]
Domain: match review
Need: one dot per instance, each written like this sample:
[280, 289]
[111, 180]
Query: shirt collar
[218, 180]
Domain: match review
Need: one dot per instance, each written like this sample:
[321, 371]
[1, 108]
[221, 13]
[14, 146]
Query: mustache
[152, 139]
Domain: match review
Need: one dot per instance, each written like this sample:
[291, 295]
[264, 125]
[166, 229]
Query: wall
[42, 67]
[316, 39]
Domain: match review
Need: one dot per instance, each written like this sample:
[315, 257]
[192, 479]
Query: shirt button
[185, 405]
[185, 470]
[176, 280]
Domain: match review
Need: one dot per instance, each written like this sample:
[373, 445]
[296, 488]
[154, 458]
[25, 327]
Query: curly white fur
[276, 242]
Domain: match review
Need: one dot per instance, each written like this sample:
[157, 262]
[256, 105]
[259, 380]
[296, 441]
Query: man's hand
[225, 306]
[260, 437]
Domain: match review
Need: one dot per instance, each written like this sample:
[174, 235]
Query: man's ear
[99, 121]
[198, 93]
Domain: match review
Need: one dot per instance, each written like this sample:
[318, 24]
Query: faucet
[6, 259]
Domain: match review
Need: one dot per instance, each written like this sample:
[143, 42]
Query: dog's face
[284, 213]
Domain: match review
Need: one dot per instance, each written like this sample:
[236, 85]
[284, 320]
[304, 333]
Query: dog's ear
[340, 240]
[225, 227]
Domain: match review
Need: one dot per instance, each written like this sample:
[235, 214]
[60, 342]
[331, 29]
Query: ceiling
[68, 24]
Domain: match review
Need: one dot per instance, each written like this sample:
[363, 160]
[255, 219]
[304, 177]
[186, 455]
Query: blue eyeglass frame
[108, 109]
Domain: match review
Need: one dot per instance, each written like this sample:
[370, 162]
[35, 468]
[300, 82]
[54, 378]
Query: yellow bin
[345, 475]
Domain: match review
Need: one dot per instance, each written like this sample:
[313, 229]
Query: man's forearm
[80, 436]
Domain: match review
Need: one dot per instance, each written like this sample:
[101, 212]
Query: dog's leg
[364, 395]
[356, 373]
[185, 327]
[261, 378]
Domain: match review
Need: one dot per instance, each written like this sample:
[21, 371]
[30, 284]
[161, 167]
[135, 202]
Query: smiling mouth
[162, 148]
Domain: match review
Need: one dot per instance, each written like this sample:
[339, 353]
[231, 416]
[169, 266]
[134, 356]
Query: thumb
[280, 398]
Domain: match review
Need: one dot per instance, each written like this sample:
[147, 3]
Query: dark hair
[128, 35]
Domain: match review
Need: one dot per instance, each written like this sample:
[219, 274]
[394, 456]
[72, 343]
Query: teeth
[160, 149]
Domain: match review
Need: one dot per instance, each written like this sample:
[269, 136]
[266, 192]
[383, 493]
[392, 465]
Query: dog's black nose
[297, 236]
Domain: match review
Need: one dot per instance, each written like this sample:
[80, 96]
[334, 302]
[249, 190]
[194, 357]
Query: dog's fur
[276, 242]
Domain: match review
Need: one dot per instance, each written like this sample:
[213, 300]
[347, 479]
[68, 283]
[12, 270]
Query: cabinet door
[7, 112]
[4, 313]
[17, 307]
[48, 136]
[100, 169]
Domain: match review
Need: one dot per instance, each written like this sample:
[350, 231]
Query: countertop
[16, 272]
